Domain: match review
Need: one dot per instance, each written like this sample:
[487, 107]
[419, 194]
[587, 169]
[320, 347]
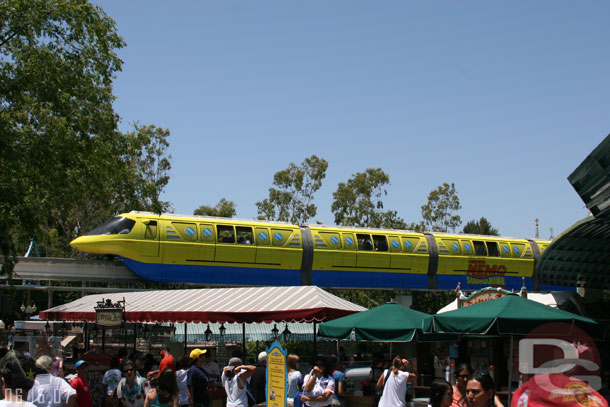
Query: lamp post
[208, 334]
[286, 333]
[275, 332]
[222, 330]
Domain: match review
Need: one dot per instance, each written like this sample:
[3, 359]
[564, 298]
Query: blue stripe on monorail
[322, 278]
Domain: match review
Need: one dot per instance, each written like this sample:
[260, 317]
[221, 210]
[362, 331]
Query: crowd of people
[135, 381]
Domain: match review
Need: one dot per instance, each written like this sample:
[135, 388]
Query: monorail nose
[87, 244]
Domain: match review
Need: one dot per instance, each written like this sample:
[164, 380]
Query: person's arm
[189, 390]
[341, 388]
[327, 394]
[245, 375]
[150, 396]
[381, 380]
[314, 375]
[72, 401]
[497, 402]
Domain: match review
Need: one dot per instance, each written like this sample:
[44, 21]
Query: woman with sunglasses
[132, 388]
[480, 391]
[462, 374]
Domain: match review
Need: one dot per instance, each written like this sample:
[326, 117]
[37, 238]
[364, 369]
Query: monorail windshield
[117, 226]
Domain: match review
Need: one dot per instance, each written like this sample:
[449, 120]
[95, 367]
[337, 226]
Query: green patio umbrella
[386, 323]
[509, 315]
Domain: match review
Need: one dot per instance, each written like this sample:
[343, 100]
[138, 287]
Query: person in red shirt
[81, 385]
[166, 363]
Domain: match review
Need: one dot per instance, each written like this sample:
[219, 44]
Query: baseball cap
[195, 353]
[235, 362]
[80, 363]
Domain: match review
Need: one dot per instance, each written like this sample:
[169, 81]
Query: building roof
[242, 304]
[580, 256]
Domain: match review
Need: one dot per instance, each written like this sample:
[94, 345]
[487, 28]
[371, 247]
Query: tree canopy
[439, 212]
[480, 227]
[291, 197]
[64, 166]
[223, 209]
[358, 202]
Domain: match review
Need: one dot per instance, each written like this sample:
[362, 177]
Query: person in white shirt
[234, 378]
[111, 379]
[15, 381]
[319, 384]
[394, 383]
[49, 390]
[181, 378]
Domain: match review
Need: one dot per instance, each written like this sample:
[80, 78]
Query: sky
[502, 98]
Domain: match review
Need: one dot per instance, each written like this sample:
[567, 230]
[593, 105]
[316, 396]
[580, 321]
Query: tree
[358, 202]
[480, 227]
[291, 200]
[223, 209]
[64, 166]
[438, 213]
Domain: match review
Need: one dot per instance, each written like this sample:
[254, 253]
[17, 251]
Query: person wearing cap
[258, 383]
[166, 363]
[133, 388]
[49, 390]
[16, 383]
[81, 385]
[234, 378]
[197, 380]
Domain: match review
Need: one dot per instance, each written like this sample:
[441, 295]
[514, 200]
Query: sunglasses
[474, 392]
[128, 370]
[463, 376]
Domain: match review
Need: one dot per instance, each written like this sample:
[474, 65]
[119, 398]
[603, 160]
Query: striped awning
[244, 304]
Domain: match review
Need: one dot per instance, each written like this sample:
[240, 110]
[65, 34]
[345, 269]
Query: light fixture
[222, 329]
[286, 333]
[22, 308]
[208, 334]
[33, 308]
[2, 324]
[275, 332]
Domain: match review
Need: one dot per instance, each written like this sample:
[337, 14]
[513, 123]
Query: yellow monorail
[225, 251]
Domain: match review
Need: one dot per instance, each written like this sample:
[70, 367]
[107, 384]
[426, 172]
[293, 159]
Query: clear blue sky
[503, 98]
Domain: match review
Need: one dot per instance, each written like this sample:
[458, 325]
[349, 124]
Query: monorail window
[364, 242]
[244, 235]
[117, 226]
[492, 249]
[226, 234]
[151, 230]
[479, 248]
[381, 243]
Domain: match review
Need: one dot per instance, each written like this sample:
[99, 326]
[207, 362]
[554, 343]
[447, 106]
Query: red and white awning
[244, 304]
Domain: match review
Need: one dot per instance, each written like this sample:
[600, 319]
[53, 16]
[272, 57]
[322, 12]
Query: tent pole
[185, 338]
[315, 339]
[243, 341]
[510, 366]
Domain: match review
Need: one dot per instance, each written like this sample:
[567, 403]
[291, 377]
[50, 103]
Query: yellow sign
[276, 376]
[109, 317]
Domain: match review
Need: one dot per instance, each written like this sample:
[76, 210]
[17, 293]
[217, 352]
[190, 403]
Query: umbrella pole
[185, 337]
[243, 341]
[510, 367]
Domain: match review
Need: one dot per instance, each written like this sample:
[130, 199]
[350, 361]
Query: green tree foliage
[64, 167]
[480, 227]
[438, 213]
[151, 166]
[223, 209]
[291, 198]
[359, 202]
